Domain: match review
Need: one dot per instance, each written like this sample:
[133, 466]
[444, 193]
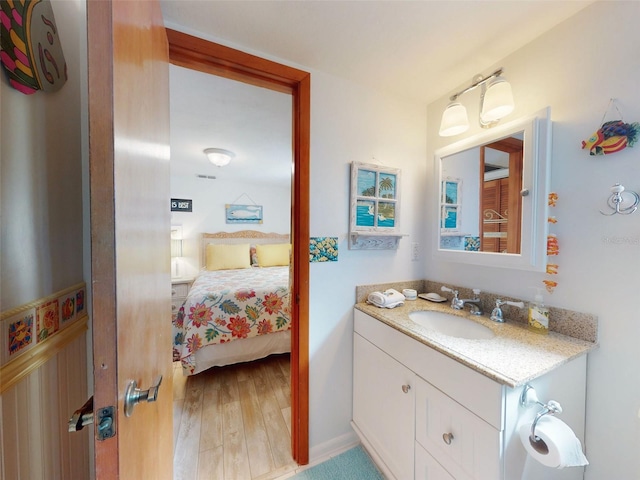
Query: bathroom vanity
[432, 406]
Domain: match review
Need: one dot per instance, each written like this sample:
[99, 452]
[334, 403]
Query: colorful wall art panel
[323, 249]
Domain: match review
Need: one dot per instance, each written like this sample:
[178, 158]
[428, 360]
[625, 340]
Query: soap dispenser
[538, 314]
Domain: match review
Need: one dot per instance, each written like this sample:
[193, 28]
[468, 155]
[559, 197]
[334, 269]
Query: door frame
[208, 57]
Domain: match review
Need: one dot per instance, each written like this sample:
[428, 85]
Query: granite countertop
[513, 357]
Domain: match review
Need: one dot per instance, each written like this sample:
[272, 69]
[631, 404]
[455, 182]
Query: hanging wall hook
[618, 203]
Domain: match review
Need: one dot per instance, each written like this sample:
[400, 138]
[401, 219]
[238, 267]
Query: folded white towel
[388, 299]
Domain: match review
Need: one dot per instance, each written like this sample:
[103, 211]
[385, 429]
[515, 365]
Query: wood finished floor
[234, 422]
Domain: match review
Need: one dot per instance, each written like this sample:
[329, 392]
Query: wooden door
[501, 201]
[130, 229]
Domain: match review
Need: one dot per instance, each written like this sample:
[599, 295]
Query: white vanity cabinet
[467, 446]
[425, 416]
[384, 405]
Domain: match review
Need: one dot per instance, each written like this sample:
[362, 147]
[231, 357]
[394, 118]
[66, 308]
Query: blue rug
[353, 464]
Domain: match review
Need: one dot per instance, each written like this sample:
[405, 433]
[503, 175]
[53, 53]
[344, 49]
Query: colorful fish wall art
[612, 137]
[31, 50]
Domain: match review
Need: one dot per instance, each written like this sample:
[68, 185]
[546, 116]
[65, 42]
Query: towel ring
[617, 201]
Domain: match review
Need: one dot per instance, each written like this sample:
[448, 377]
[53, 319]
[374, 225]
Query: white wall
[351, 123]
[576, 68]
[41, 189]
[209, 199]
[43, 138]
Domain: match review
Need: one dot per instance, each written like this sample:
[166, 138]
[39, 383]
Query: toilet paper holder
[528, 398]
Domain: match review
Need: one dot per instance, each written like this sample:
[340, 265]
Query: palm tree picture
[375, 198]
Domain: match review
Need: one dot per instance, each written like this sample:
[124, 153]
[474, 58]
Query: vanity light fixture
[218, 156]
[496, 102]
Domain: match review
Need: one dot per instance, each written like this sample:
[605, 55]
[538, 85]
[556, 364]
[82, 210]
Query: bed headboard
[244, 236]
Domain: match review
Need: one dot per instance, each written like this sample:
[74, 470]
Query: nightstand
[179, 290]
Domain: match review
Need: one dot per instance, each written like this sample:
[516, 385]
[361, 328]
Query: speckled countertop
[513, 357]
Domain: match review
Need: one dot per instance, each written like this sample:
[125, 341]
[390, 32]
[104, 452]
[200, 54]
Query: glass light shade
[454, 120]
[218, 156]
[498, 100]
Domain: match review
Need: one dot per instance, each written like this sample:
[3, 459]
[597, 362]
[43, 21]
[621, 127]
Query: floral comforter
[227, 305]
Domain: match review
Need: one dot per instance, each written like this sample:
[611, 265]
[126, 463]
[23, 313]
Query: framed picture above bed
[243, 213]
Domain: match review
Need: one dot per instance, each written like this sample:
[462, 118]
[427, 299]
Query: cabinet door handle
[447, 437]
[406, 388]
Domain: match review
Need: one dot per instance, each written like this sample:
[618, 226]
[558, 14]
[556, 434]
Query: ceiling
[420, 50]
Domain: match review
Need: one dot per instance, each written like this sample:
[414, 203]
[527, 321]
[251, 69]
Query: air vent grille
[206, 177]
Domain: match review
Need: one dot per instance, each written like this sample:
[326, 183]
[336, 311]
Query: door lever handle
[133, 395]
[82, 417]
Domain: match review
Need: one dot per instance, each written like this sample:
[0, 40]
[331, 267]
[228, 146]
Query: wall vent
[206, 177]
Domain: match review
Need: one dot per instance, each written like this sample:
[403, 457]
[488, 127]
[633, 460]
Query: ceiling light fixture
[218, 156]
[496, 102]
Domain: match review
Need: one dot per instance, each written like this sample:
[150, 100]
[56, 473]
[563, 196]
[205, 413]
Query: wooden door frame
[208, 57]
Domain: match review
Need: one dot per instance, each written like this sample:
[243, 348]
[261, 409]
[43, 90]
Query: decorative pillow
[227, 257]
[273, 255]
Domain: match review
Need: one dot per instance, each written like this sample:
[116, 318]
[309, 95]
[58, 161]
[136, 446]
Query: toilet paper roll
[564, 447]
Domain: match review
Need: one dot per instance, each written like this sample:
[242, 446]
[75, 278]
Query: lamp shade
[176, 248]
[454, 120]
[498, 100]
[218, 156]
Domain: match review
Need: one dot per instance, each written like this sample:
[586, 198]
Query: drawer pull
[173, 292]
[406, 388]
[447, 437]
[174, 308]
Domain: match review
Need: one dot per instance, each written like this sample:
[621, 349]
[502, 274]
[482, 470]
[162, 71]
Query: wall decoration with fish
[31, 49]
[243, 213]
[612, 136]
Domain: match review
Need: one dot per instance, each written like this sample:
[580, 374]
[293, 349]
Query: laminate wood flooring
[234, 422]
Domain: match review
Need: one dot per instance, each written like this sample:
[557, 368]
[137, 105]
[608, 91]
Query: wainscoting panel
[35, 438]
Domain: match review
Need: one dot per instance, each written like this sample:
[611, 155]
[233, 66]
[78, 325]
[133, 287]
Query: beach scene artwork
[375, 212]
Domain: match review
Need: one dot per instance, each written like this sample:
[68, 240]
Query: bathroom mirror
[492, 196]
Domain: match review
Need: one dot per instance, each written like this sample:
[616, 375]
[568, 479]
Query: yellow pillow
[226, 257]
[273, 255]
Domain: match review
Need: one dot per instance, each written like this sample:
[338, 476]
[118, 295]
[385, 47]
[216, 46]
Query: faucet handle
[499, 303]
[447, 289]
[476, 292]
[515, 304]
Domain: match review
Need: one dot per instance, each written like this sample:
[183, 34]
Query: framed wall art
[450, 204]
[375, 207]
[243, 213]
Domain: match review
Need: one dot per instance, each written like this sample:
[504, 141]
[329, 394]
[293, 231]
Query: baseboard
[373, 454]
[333, 447]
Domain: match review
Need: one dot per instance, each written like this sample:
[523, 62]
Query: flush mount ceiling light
[496, 102]
[218, 156]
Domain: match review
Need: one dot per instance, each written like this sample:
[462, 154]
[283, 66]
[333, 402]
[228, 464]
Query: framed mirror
[492, 196]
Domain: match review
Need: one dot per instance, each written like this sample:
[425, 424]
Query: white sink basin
[451, 325]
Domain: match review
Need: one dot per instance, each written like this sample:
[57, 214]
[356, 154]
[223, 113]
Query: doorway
[198, 54]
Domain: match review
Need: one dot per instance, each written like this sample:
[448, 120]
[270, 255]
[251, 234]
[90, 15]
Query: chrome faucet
[459, 303]
[496, 314]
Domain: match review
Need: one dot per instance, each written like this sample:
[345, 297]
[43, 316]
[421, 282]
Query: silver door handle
[133, 395]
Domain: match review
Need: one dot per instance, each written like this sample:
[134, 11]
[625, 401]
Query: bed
[238, 308]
